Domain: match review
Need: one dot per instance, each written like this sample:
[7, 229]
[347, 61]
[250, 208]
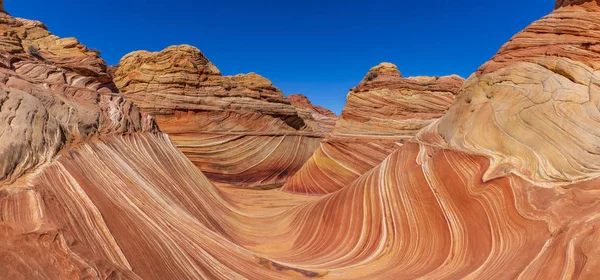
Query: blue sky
[318, 48]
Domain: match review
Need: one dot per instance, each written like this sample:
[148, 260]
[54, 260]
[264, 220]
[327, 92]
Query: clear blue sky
[318, 48]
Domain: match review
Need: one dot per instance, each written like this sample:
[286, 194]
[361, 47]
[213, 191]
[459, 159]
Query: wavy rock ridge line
[128, 207]
[158, 216]
[239, 160]
[154, 222]
[539, 97]
[381, 113]
[134, 207]
[234, 128]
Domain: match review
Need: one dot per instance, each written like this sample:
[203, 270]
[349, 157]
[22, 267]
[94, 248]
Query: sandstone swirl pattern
[239, 130]
[539, 97]
[382, 112]
[127, 204]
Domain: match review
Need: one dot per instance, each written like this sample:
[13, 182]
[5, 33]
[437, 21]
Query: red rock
[127, 204]
[535, 98]
[112, 70]
[532, 112]
[382, 112]
[239, 130]
[317, 118]
[54, 93]
[180, 84]
[565, 3]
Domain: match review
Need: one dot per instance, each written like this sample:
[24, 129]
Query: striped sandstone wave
[136, 207]
[252, 161]
[240, 130]
[538, 99]
[54, 93]
[127, 204]
[382, 112]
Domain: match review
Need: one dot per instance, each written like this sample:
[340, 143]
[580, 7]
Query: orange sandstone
[381, 113]
[239, 130]
[503, 186]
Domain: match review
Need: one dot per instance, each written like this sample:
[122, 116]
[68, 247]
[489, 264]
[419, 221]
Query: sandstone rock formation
[537, 97]
[533, 112]
[317, 118]
[239, 130]
[90, 188]
[54, 93]
[564, 3]
[382, 112]
[126, 204]
[112, 70]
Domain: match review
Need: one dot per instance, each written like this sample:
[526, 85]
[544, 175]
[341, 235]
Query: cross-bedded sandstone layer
[538, 98]
[382, 112]
[104, 211]
[240, 130]
[130, 205]
[54, 93]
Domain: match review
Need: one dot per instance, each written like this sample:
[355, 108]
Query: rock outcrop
[127, 204]
[54, 93]
[382, 112]
[90, 188]
[317, 118]
[58, 106]
[180, 85]
[239, 130]
[538, 99]
[565, 3]
[532, 111]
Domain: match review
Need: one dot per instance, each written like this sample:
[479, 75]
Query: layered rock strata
[317, 118]
[239, 130]
[54, 93]
[132, 206]
[538, 98]
[382, 112]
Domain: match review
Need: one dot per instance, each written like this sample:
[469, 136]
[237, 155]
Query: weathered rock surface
[382, 112]
[539, 98]
[53, 93]
[564, 3]
[180, 85]
[239, 130]
[317, 118]
[131, 206]
[112, 70]
[90, 188]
